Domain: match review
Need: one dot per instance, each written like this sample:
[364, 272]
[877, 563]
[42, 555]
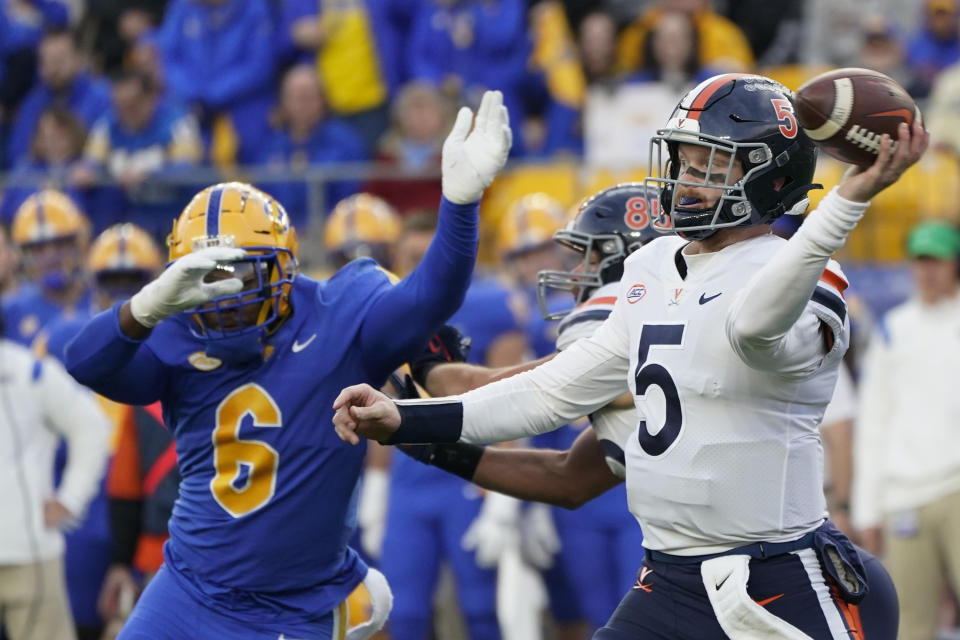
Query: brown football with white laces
[846, 111]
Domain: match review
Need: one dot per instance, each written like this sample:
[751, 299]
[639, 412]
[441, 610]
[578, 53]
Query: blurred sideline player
[730, 339]
[52, 236]
[246, 358]
[120, 261]
[360, 226]
[577, 469]
[142, 479]
[414, 518]
[525, 240]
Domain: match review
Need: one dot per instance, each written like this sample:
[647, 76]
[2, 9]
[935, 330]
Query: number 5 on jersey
[653, 374]
[231, 455]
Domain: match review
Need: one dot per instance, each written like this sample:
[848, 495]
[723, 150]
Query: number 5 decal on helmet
[784, 111]
[653, 374]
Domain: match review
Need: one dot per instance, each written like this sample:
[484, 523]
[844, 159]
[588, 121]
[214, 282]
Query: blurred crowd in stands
[131, 106]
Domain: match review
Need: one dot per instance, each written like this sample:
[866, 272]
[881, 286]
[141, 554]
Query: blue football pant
[167, 612]
[423, 529]
[670, 603]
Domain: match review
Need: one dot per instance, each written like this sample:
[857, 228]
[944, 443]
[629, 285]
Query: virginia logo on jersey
[203, 362]
[636, 293]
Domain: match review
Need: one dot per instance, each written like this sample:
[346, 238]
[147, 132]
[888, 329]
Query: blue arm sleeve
[56, 14]
[252, 67]
[178, 76]
[426, 60]
[500, 26]
[120, 368]
[291, 11]
[402, 320]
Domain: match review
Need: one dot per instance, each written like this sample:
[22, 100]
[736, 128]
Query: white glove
[539, 540]
[181, 286]
[470, 162]
[493, 530]
[372, 510]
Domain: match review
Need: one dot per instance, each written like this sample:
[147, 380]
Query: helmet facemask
[267, 274]
[54, 263]
[601, 263]
[732, 207]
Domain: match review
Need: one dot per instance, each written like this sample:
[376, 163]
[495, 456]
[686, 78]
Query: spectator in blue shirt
[306, 138]
[64, 82]
[936, 46]
[218, 59]
[55, 148]
[140, 141]
[29, 19]
[468, 46]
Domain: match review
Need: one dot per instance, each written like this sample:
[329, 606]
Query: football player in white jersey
[729, 338]
[609, 226]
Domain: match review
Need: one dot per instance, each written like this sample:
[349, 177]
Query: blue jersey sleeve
[120, 368]
[402, 320]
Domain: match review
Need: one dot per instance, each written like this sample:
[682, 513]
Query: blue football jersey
[267, 496]
[26, 311]
[489, 310]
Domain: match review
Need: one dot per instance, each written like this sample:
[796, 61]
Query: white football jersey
[613, 426]
[726, 453]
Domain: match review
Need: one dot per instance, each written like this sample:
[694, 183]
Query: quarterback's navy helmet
[609, 226]
[746, 117]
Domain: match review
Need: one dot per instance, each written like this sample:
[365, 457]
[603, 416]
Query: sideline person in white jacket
[906, 496]
[38, 402]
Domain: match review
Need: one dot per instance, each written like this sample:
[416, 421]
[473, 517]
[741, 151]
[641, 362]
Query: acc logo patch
[203, 362]
[636, 293]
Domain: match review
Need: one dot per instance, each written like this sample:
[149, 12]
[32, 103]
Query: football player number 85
[246, 469]
[647, 375]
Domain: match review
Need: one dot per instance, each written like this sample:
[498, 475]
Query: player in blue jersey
[525, 239]
[52, 235]
[121, 260]
[247, 377]
[432, 517]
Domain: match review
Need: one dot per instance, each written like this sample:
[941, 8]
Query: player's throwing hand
[861, 184]
[471, 159]
[363, 411]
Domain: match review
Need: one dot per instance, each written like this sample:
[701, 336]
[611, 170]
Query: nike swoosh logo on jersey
[704, 299]
[298, 346]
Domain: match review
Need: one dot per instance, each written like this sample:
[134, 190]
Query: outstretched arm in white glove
[539, 540]
[181, 286]
[471, 159]
[372, 510]
[493, 530]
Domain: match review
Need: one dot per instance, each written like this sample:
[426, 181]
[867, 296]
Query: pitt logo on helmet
[234, 214]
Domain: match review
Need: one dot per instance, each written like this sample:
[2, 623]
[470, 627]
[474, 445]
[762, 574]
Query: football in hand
[846, 111]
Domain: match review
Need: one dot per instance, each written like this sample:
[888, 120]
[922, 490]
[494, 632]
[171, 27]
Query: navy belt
[757, 551]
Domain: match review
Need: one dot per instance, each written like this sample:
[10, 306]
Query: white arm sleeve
[580, 380]
[761, 321]
[71, 411]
